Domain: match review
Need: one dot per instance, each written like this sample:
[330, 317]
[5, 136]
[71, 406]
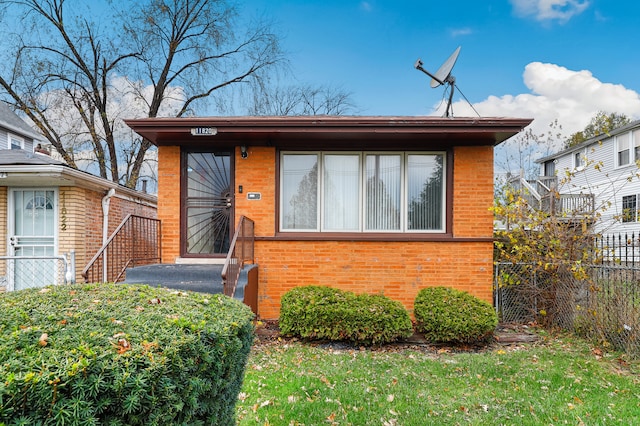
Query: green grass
[555, 381]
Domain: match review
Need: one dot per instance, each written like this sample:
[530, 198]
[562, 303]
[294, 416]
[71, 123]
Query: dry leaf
[43, 340]
[123, 346]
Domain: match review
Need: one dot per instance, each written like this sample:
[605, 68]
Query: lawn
[557, 380]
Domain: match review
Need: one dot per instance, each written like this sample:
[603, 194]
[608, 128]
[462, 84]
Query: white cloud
[556, 93]
[458, 32]
[571, 97]
[366, 6]
[550, 10]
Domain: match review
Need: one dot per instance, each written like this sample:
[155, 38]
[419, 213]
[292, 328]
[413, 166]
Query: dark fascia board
[336, 131]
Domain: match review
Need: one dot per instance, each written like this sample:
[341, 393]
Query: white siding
[601, 177]
[4, 139]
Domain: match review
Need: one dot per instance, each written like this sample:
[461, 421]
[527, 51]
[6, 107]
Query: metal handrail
[240, 252]
[136, 239]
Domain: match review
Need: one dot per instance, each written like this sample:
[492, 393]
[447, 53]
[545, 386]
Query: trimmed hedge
[121, 355]
[325, 313]
[447, 315]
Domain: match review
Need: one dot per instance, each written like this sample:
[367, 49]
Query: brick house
[49, 209]
[367, 204]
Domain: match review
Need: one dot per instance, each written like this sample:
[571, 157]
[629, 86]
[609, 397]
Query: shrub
[121, 355]
[325, 313]
[448, 315]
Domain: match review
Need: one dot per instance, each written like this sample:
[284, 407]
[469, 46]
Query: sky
[540, 59]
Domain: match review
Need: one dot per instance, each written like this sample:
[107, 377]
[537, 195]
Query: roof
[20, 168]
[590, 141]
[338, 131]
[22, 157]
[11, 121]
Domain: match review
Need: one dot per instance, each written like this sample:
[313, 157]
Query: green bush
[121, 355]
[325, 313]
[448, 315]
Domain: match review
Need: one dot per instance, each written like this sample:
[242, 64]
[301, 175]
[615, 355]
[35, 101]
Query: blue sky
[543, 59]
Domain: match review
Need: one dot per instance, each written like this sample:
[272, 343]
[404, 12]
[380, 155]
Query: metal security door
[208, 204]
[33, 225]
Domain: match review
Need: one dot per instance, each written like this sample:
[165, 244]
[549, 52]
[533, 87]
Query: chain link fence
[20, 272]
[600, 302]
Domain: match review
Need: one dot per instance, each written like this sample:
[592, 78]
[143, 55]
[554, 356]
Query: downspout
[106, 200]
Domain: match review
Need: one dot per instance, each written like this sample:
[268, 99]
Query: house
[599, 177]
[14, 132]
[367, 204]
[48, 209]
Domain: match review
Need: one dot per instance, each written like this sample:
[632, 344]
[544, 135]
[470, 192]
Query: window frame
[445, 214]
[11, 137]
[628, 150]
[629, 214]
[578, 159]
[635, 143]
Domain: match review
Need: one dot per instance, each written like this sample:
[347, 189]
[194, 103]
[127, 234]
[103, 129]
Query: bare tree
[76, 76]
[302, 100]
[518, 154]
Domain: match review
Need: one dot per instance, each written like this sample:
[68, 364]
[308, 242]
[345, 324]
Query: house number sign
[204, 131]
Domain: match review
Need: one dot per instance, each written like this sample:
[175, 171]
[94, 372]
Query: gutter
[106, 200]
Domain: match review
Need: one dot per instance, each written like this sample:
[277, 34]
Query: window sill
[381, 237]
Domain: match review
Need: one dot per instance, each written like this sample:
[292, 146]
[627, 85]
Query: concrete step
[203, 278]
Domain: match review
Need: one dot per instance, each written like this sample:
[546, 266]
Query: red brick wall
[81, 221]
[397, 269]
[169, 201]
[473, 191]
[257, 173]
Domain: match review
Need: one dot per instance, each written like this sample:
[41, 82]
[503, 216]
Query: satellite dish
[443, 76]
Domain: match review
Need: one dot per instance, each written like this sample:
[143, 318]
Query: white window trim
[13, 136]
[403, 200]
[582, 155]
[630, 148]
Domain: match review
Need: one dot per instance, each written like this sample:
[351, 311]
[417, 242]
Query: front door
[32, 226]
[207, 212]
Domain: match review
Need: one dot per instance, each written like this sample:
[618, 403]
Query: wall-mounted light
[243, 151]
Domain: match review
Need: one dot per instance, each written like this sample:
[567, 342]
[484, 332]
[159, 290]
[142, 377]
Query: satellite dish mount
[443, 77]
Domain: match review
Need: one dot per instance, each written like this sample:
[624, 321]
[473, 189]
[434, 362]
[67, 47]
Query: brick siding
[397, 269]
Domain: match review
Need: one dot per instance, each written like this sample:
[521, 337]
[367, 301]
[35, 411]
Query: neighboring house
[14, 132]
[368, 204]
[599, 175]
[50, 209]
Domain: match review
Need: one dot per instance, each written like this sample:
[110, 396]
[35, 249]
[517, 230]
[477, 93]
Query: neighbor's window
[15, 142]
[623, 149]
[577, 159]
[362, 192]
[550, 168]
[629, 208]
[636, 144]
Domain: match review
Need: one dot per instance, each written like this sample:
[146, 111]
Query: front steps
[203, 278]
